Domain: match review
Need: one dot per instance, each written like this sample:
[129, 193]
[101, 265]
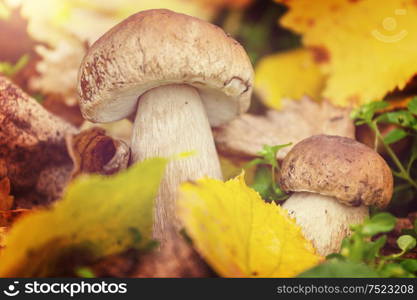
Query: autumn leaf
[92, 151]
[239, 234]
[288, 75]
[6, 201]
[367, 49]
[246, 135]
[98, 216]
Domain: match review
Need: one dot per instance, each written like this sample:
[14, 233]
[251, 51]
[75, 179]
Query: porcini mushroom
[177, 75]
[334, 180]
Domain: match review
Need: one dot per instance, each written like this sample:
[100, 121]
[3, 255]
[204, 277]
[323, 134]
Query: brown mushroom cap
[161, 47]
[338, 167]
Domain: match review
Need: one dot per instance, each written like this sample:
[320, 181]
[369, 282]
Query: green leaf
[412, 106]
[367, 111]
[98, 216]
[255, 162]
[393, 270]
[395, 135]
[84, 272]
[406, 242]
[269, 153]
[339, 269]
[371, 249]
[9, 69]
[410, 265]
[407, 231]
[264, 185]
[402, 118]
[379, 223]
[262, 181]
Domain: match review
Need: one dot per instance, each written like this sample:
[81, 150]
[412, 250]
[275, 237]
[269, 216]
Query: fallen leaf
[8, 217]
[239, 234]
[57, 105]
[32, 145]
[366, 49]
[246, 135]
[57, 69]
[3, 231]
[98, 216]
[288, 75]
[6, 201]
[121, 130]
[92, 151]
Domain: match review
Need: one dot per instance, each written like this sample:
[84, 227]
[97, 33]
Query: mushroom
[177, 75]
[334, 180]
[32, 147]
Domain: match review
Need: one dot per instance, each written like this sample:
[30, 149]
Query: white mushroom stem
[171, 120]
[324, 220]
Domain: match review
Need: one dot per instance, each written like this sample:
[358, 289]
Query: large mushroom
[176, 75]
[333, 180]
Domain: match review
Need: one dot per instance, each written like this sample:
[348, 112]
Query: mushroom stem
[171, 120]
[324, 221]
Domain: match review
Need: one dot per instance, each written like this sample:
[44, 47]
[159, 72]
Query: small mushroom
[177, 75]
[32, 147]
[334, 180]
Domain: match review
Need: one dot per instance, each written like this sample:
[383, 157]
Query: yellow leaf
[369, 48]
[98, 216]
[288, 75]
[239, 234]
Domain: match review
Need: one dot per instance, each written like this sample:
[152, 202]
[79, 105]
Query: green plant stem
[402, 171]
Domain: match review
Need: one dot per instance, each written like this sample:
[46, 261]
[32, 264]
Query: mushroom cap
[161, 47]
[339, 167]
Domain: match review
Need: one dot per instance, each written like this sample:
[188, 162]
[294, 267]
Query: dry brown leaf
[8, 217]
[121, 130]
[6, 201]
[32, 146]
[247, 135]
[57, 105]
[92, 151]
[58, 69]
